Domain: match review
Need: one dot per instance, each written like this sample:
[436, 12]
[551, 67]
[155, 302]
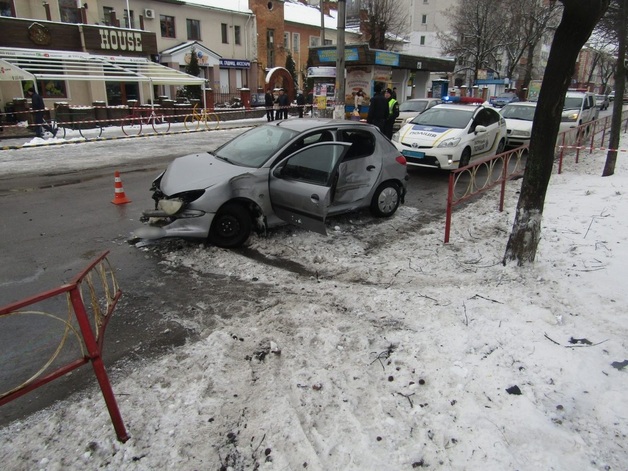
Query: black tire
[231, 227]
[501, 147]
[132, 127]
[465, 158]
[160, 124]
[385, 200]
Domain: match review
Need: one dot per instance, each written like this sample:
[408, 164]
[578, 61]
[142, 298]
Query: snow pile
[378, 347]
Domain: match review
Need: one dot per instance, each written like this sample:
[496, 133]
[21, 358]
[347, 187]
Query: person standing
[269, 101]
[300, 103]
[39, 107]
[284, 102]
[378, 109]
[393, 112]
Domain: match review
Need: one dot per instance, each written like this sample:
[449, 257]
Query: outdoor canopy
[28, 64]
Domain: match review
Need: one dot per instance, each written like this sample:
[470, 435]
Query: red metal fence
[481, 175]
[90, 299]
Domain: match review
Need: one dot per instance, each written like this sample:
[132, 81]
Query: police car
[450, 135]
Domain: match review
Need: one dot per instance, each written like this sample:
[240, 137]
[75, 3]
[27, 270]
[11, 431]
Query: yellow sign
[321, 102]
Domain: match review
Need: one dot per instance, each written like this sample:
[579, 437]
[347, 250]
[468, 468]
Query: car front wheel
[465, 158]
[231, 226]
[501, 147]
[385, 200]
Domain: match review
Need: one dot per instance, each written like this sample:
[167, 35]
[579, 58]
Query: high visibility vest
[391, 105]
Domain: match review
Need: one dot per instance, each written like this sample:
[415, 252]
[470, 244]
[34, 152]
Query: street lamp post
[339, 109]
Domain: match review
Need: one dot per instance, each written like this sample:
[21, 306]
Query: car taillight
[401, 159]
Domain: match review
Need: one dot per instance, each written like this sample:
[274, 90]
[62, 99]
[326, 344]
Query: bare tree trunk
[579, 19]
[620, 86]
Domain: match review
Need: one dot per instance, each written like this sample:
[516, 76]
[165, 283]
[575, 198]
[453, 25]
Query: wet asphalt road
[55, 223]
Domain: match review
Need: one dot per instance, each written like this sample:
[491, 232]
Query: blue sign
[386, 58]
[330, 55]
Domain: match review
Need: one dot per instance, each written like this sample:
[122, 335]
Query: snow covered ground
[380, 348]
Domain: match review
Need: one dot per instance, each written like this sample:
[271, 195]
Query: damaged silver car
[297, 171]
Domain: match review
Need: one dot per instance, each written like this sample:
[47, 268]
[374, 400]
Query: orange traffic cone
[119, 196]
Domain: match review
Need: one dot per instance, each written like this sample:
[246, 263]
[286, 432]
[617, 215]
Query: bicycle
[85, 125]
[159, 122]
[192, 122]
[132, 124]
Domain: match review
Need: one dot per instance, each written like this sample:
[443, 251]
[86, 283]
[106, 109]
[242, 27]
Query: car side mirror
[480, 129]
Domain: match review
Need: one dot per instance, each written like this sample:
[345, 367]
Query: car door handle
[370, 167]
[315, 197]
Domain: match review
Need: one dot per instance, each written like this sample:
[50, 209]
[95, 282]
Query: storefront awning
[28, 64]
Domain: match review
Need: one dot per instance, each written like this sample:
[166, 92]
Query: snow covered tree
[386, 22]
[578, 20]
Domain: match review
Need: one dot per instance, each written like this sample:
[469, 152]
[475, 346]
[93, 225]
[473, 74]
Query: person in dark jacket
[300, 103]
[39, 107]
[393, 112]
[269, 101]
[378, 109]
[284, 103]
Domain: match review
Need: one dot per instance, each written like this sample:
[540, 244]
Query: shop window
[237, 35]
[224, 33]
[7, 8]
[69, 12]
[52, 89]
[194, 29]
[167, 26]
[296, 41]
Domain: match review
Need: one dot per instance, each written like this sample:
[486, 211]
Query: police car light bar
[461, 99]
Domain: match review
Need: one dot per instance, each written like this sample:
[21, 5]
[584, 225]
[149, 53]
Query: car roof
[523, 103]
[469, 107]
[306, 124]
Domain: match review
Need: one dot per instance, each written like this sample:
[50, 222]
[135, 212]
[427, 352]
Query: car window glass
[313, 164]
[492, 117]
[254, 147]
[319, 136]
[444, 117]
[572, 103]
[362, 144]
[413, 106]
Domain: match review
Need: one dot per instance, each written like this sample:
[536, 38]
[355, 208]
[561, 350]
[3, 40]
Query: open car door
[300, 185]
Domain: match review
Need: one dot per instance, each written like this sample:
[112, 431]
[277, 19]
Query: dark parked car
[503, 99]
[295, 171]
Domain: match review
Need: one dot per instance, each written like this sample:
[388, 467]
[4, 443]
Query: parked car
[297, 171]
[579, 109]
[602, 102]
[449, 136]
[503, 99]
[519, 118]
[410, 108]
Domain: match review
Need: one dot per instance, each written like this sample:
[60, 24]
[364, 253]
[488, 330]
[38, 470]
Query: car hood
[426, 135]
[198, 171]
[518, 124]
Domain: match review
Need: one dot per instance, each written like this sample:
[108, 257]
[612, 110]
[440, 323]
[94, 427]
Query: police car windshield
[572, 103]
[445, 117]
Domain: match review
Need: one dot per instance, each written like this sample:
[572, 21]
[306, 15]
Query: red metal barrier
[97, 284]
[506, 166]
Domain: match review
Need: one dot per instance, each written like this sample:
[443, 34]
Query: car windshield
[505, 95]
[413, 106]
[572, 103]
[525, 113]
[445, 118]
[254, 147]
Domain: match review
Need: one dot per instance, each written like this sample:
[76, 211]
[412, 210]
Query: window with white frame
[423, 19]
[286, 41]
[224, 33]
[237, 35]
[296, 41]
[315, 41]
